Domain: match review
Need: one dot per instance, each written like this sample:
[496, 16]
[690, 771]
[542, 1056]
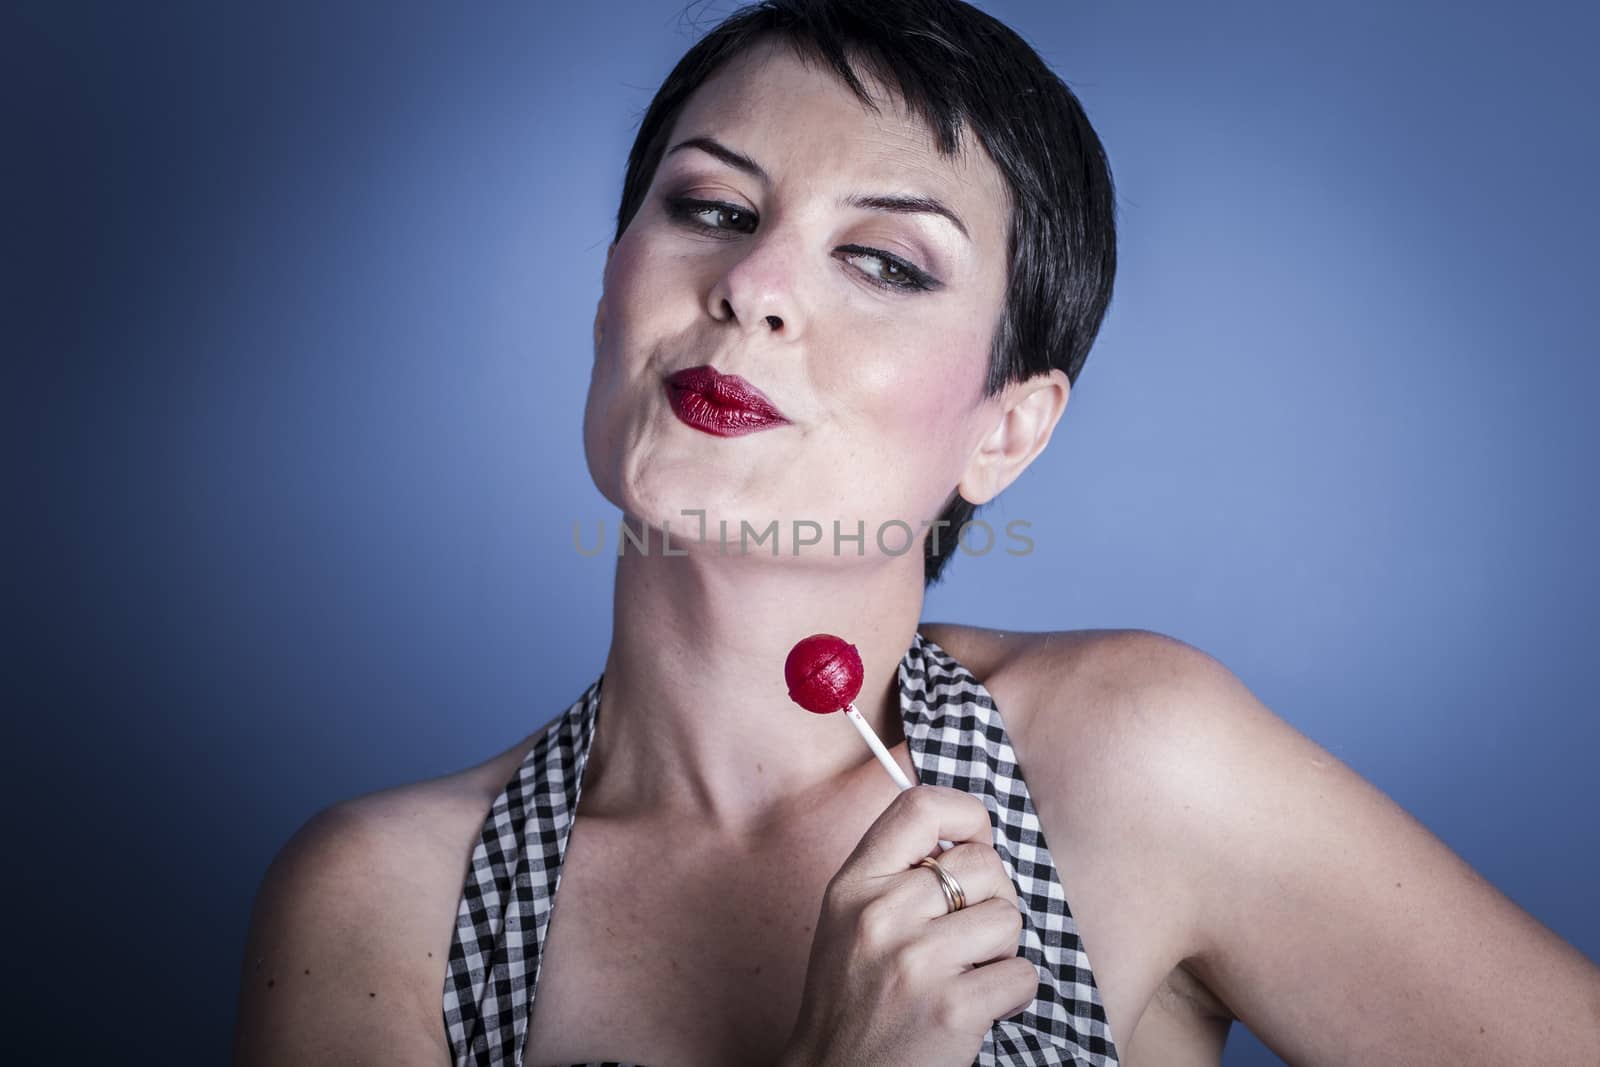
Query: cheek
[625, 283]
[605, 407]
[919, 390]
[909, 411]
[627, 272]
[628, 296]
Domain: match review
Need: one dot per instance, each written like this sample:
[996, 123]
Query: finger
[913, 824]
[976, 868]
[973, 936]
[994, 990]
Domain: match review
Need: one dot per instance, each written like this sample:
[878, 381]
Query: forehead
[802, 124]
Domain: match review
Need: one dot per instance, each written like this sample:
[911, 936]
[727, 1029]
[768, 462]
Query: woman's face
[877, 364]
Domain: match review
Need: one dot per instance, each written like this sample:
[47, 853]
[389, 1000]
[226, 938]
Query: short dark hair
[954, 66]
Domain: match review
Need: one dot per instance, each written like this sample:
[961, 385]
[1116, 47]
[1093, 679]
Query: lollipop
[824, 673]
[824, 676]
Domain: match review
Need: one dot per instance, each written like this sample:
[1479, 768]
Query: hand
[892, 978]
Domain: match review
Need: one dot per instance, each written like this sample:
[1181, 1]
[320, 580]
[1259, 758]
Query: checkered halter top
[956, 739]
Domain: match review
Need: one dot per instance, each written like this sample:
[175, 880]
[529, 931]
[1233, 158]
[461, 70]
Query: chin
[678, 508]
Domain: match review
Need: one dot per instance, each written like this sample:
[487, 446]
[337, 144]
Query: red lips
[724, 405]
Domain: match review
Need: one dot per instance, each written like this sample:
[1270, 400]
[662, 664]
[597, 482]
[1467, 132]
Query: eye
[692, 212]
[894, 273]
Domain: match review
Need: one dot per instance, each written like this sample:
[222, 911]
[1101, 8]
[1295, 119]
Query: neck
[695, 719]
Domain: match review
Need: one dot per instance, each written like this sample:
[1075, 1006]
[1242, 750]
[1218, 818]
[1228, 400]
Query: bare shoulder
[352, 924]
[1105, 712]
[1079, 687]
[1072, 703]
[985, 650]
[1297, 893]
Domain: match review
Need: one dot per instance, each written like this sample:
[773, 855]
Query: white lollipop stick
[882, 753]
[878, 750]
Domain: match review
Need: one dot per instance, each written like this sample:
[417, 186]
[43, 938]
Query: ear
[1026, 414]
[600, 308]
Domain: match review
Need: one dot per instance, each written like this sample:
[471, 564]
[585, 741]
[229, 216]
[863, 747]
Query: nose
[757, 290]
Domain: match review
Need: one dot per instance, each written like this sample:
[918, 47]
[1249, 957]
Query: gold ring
[954, 898]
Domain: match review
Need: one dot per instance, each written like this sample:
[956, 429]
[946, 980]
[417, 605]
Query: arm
[327, 976]
[1330, 921]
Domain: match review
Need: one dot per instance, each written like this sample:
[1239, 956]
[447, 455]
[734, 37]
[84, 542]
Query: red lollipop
[824, 673]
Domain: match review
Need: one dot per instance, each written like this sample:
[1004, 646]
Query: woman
[862, 253]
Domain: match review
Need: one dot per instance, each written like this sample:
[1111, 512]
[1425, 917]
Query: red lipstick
[724, 405]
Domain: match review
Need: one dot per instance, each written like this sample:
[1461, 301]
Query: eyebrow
[902, 205]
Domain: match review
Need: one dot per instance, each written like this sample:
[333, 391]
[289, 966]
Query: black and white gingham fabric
[955, 738]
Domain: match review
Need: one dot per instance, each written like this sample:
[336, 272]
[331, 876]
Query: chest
[652, 961]
[659, 955]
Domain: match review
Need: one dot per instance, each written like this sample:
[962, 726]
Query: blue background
[290, 290]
